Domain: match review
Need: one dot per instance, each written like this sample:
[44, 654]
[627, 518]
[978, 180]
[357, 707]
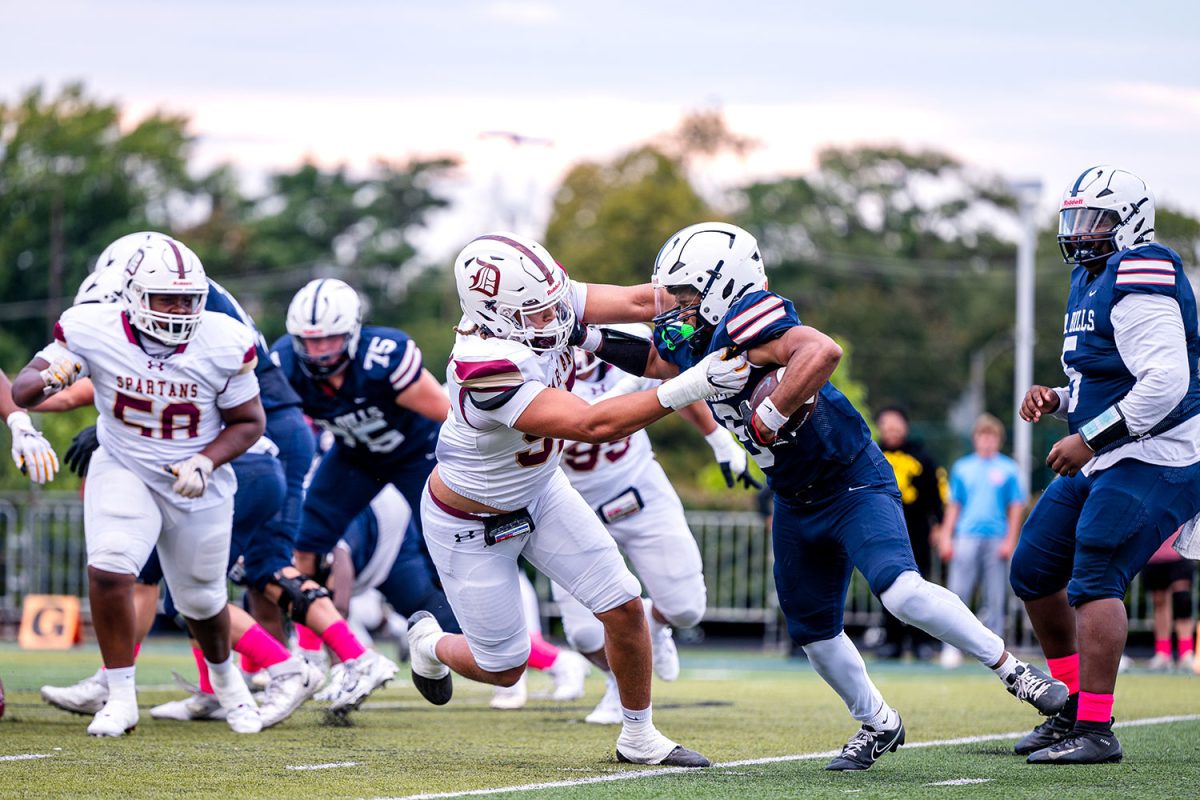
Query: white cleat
[86, 697]
[608, 710]
[244, 718]
[662, 639]
[333, 685]
[569, 671]
[363, 675]
[510, 698]
[200, 706]
[286, 692]
[116, 718]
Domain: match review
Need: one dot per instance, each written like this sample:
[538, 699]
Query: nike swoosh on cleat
[1060, 753]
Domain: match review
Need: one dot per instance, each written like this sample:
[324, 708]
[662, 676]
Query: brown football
[763, 390]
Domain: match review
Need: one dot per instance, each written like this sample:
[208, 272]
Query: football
[763, 390]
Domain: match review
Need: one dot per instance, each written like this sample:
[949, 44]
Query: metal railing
[43, 552]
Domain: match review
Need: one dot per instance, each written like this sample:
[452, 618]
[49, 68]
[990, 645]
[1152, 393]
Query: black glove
[79, 454]
[751, 431]
[747, 480]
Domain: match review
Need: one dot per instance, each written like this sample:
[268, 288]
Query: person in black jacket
[919, 478]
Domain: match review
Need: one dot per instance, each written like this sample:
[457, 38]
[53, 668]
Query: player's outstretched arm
[31, 452]
[607, 304]
[425, 396]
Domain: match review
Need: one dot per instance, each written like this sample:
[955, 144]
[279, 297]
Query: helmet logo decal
[178, 259]
[135, 261]
[486, 280]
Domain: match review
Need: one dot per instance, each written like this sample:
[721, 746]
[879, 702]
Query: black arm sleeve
[625, 351]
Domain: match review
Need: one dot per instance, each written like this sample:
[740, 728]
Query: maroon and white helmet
[507, 284]
[106, 282]
[161, 265]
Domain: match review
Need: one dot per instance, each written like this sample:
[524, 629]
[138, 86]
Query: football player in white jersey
[624, 484]
[178, 400]
[497, 492]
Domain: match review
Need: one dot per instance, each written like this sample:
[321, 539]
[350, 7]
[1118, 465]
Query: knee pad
[683, 615]
[587, 637]
[907, 598]
[199, 603]
[296, 600]
[1181, 605]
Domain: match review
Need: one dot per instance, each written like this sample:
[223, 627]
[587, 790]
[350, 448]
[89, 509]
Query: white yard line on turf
[334, 765]
[655, 773]
[960, 782]
[26, 756]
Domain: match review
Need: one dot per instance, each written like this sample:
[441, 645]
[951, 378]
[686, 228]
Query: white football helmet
[101, 286]
[325, 307]
[719, 261]
[160, 266]
[1104, 211]
[512, 288]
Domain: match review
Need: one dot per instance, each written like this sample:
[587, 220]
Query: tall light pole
[1028, 193]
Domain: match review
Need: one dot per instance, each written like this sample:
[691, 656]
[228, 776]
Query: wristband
[770, 415]
[592, 339]
[1105, 428]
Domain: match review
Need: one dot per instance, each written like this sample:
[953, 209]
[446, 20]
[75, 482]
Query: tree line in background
[907, 257]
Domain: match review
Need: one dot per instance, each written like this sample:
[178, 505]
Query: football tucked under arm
[761, 415]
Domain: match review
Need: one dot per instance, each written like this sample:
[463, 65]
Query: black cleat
[1081, 746]
[435, 685]
[1052, 731]
[1031, 685]
[866, 747]
[679, 757]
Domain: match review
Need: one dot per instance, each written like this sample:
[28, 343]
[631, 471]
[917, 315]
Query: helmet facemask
[167, 327]
[1088, 235]
[327, 362]
[677, 317]
[535, 325]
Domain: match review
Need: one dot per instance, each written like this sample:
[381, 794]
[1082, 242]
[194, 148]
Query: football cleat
[569, 672]
[608, 710]
[657, 749]
[199, 706]
[286, 692]
[1161, 662]
[511, 698]
[116, 718]
[363, 675]
[430, 676]
[337, 674]
[867, 746]
[244, 718]
[86, 697]
[1029, 684]
[1081, 747]
[1050, 732]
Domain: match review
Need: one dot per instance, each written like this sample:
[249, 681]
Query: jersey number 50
[172, 414]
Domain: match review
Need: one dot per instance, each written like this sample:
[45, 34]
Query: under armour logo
[487, 280]
[462, 537]
[158, 365]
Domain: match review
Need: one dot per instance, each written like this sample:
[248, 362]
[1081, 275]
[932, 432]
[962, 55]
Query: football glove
[716, 375]
[735, 466]
[779, 436]
[191, 476]
[79, 454]
[31, 452]
[61, 374]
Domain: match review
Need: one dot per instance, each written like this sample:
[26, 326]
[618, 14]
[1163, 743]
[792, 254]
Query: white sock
[940, 613]
[227, 683]
[121, 684]
[1008, 667]
[837, 661]
[292, 665]
[885, 719]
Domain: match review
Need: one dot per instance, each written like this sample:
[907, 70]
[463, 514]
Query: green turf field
[767, 722]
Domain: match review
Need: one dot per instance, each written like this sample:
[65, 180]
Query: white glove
[32, 453]
[191, 476]
[61, 374]
[712, 376]
[732, 459]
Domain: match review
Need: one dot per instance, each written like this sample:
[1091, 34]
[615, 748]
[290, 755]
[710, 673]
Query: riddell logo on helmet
[1073, 201]
[487, 280]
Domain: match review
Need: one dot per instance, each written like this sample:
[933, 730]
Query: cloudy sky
[1030, 90]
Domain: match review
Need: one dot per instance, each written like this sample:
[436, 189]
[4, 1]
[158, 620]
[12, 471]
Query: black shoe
[679, 757]
[432, 678]
[1050, 732]
[866, 747]
[1028, 683]
[1082, 746]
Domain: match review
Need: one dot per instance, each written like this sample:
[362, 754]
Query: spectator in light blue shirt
[981, 525]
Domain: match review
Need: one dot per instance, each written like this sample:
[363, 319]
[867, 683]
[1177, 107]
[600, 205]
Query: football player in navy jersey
[1129, 465]
[837, 505]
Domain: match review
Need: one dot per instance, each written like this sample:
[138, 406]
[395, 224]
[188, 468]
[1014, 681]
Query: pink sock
[1066, 669]
[1186, 646]
[137, 649]
[1095, 707]
[342, 641]
[202, 667]
[308, 639]
[542, 654]
[1162, 647]
[261, 649]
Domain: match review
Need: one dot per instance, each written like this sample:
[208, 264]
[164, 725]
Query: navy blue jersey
[831, 439]
[363, 412]
[273, 388]
[1097, 375]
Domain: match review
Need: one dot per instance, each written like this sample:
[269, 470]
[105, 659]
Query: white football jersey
[599, 472]
[480, 455]
[160, 410]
